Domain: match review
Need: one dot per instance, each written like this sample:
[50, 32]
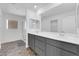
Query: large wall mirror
[61, 19]
[69, 18]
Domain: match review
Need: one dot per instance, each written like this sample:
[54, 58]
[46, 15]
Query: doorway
[54, 26]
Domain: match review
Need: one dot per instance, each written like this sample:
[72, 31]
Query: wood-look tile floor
[16, 48]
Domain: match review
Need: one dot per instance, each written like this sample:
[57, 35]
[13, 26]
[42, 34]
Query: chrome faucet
[62, 33]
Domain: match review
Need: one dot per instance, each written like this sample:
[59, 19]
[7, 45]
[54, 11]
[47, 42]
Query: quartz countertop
[66, 37]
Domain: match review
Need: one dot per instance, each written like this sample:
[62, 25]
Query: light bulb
[35, 6]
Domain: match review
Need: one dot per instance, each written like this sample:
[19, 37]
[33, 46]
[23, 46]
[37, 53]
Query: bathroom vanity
[58, 33]
[48, 45]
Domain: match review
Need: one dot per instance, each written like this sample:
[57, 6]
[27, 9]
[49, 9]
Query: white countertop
[71, 38]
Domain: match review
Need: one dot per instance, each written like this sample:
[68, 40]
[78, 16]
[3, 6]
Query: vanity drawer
[52, 51]
[53, 42]
[72, 48]
[40, 44]
[69, 47]
[40, 38]
[65, 53]
[39, 51]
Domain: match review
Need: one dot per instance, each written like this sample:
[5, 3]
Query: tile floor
[16, 48]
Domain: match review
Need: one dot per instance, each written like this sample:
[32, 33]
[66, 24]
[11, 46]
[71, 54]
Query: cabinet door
[39, 47]
[40, 44]
[39, 51]
[65, 53]
[69, 47]
[52, 51]
[31, 40]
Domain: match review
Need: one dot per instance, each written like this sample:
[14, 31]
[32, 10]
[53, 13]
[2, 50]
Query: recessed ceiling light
[35, 6]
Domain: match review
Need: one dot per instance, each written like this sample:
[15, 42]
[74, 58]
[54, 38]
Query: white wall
[66, 22]
[9, 35]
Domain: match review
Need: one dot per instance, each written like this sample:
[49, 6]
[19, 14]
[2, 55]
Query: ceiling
[45, 9]
[63, 8]
[20, 8]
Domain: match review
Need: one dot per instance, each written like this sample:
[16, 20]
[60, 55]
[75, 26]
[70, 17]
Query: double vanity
[53, 44]
[55, 32]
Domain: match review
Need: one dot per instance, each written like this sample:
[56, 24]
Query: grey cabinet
[69, 47]
[31, 41]
[52, 51]
[51, 47]
[55, 51]
[42, 39]
[66, 53]
[59, 48]
[39, 46]
[53, 42]
[39, 51]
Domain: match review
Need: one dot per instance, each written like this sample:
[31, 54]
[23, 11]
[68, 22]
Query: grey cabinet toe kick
[51, 47]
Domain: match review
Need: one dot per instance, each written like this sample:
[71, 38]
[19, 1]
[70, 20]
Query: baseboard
[14, 41]
[9, 41]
